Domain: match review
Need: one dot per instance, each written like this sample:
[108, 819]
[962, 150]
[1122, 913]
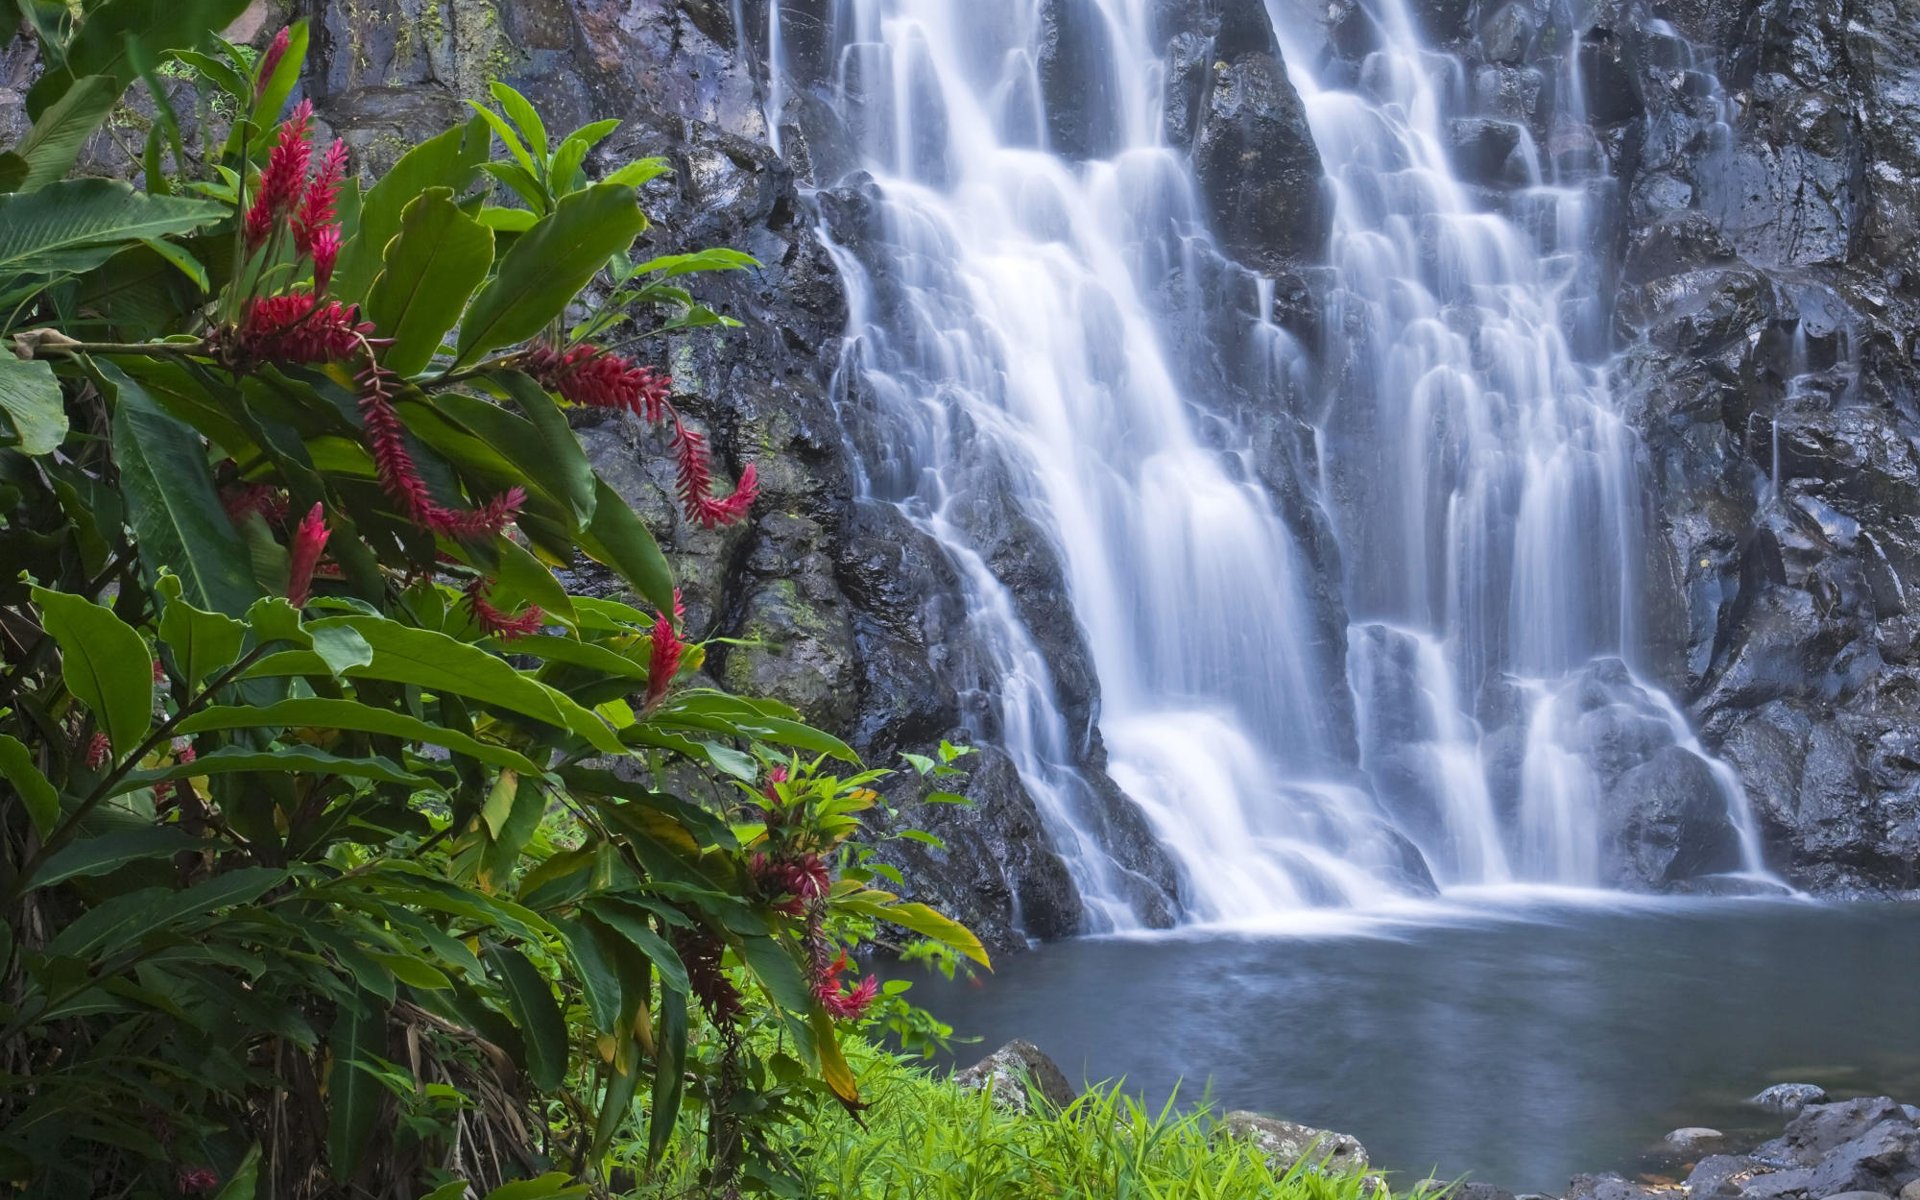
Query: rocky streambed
[1864, 1148]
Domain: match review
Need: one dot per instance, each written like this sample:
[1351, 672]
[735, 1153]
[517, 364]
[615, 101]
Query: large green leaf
[48, 151]
[535, 1013]
[322, 713]
[309, 760]
[622, 541]
[772, 964]
[433, 264]
[541, 443]
[17, 768]
[599, 981]
[631, 923]
[554, 1185]
[109, 852]
[359, 1033]
[450, 160]
[549, 264]
[35, 414]
[132, 915]
[101, 45]
[245, 1180]
[78, 224]
[925, 921]
[172, 502]
[669, 1072]
[432, 660]
[202, 642]
[105, 664]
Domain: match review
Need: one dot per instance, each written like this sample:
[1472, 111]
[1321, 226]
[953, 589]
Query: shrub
[345, 850]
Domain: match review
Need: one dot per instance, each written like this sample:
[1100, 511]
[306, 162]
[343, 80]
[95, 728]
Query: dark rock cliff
[1761, 258]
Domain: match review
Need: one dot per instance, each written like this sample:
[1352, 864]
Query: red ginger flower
[400, 478]
[243, 500]
[600, 378]
[317, 205]
[492, 621]
[850, 1004]
[325, 250]
[304, 555]
[695, 483]
[270, 61]
[197, 1181]
[664, 663]
[284, 180]
[297, 328]
[97, 748]
[802, 881]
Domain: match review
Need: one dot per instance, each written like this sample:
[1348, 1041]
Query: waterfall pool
[1521, 1038]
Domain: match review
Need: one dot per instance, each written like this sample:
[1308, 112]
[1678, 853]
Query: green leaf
[77, 224]
[359, 1033]
[552, 1184]
[132, 915]
[109, 852]
[669, 1072]
[35, 412]
[525, 116]
[433, 264]
[105, 664]
[772, 964]
[531, 999]
[549, 265]
[450, 160]
[172, 502]
[101, 45]
[17, 767]
[359, 717]
[635, 174]
[631, 923]
[715, 258]
[307, 760]
[919, 918]
[599, 981]
[556, 461]
[440, 663]
[245, 1180]
[51, 146]
[202, 642]
[622, 541]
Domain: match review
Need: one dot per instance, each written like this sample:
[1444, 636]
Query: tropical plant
[345, 850]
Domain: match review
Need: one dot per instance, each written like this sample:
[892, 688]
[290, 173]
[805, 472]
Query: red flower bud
[270, 61]
[304, 555]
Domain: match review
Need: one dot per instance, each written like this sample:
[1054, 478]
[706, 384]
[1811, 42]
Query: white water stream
[1012, 341]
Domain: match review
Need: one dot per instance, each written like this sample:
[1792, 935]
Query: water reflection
[1521, 1044]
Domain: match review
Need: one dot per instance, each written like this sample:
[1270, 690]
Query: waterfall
[1022, 335]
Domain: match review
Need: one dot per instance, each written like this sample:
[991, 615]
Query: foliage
[926, 1139]
[345, 851]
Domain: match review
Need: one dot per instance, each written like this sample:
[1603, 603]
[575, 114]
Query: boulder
[1693, 1139]
[1285, 1143]
[1020, 1077]
[1258, 168]
[1721, 1176]
[1665, 821]
[1789, 1098]
[1077, 87]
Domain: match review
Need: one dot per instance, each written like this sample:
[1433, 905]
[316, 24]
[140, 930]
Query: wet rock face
[1257, 166]
[1770, 310]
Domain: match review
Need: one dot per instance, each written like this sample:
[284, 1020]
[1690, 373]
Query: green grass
[924, 1139]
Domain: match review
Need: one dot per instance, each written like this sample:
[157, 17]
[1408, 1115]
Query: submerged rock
[1789, 1098]
[1693, 1139]
[1285, 1143]
[1020, 1078]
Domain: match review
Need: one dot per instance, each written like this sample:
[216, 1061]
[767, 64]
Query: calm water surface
[1519, 1042]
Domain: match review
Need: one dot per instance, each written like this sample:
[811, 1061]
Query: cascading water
[1010, 361]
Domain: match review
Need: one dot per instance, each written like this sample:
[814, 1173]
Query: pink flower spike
[270, 61]
[325, 250]
[496, 623]
[304, 555]
[664, 663]
[318, 203]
